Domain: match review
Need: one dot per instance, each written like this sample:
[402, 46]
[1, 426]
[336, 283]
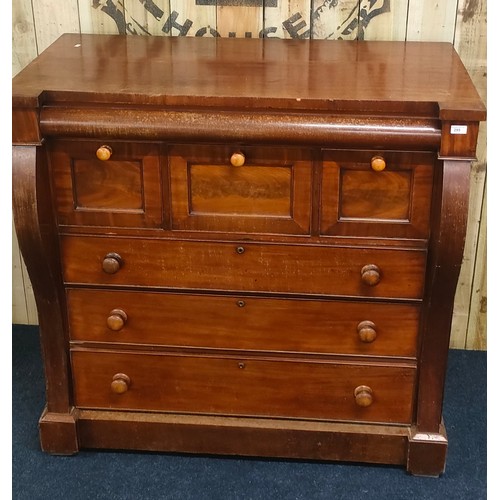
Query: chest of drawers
[245, 246]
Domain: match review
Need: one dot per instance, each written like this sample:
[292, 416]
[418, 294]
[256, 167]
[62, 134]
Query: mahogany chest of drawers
[245, 246]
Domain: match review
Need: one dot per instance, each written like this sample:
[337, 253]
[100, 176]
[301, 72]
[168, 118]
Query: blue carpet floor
[151, 476]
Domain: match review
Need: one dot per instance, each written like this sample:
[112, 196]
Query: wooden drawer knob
[112, 263]
[104, 153]
[370, 274]
[237, 159]
[363, 395]
[120, 383]
[117, 319]
[378, 163]
[366, 331]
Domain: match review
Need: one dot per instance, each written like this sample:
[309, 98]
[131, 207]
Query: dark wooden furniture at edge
[244, 246]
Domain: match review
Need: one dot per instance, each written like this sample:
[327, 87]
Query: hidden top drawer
[376, 194]
[244, 266]
[105, 183]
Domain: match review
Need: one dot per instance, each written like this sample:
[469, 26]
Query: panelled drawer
[250, 267]
[243, 386]
[248, 189]
[243, 322]
[123, 190]
[376, 194]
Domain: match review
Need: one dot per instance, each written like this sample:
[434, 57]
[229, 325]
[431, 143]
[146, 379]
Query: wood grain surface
[243, 323]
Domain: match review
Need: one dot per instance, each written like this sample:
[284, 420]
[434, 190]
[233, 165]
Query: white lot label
[459, 129]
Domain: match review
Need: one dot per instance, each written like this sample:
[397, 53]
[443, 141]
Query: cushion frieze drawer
[243, 386]
[244, 266]
[107, 183]
[243, 322]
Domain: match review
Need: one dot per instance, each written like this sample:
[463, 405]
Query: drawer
[256, 267]
[242, 386]
[359, 199]
[247, 189]
[123, 190]
[243, 322]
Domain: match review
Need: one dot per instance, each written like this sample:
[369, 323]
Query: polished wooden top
[421, 78]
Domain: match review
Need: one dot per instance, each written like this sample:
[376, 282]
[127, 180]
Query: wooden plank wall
[37, 23]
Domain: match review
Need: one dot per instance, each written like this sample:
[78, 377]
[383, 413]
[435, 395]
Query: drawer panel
[267, 190]
[244, 266]
[241, 386]
[360, 201]
[122, 191]
[243, 322]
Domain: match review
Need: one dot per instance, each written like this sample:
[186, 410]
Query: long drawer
[243, 322]
[243, 386]
[244, 266]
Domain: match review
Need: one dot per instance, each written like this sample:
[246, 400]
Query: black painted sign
[295, 26]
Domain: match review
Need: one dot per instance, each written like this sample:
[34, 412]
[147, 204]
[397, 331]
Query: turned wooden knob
[370, 274]
[363, 395]
[117, 319]
[378, 163]
[120, 383]
[237, 159]
[104, 153]
[112, 263]
[366, 331]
